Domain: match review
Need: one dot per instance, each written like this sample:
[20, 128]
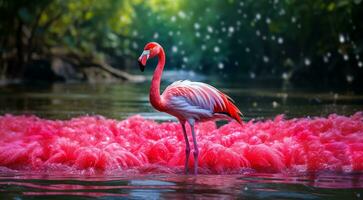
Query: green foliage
[273, 37]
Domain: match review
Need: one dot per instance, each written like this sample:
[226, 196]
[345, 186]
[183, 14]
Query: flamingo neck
[155, 98]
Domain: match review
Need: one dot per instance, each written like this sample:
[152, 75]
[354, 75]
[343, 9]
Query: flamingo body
[186, 100]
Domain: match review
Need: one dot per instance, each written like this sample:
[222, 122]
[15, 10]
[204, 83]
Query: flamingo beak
[143, 59]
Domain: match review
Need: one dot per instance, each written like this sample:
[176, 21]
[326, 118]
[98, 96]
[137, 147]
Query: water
[156, 186]
[258, 99]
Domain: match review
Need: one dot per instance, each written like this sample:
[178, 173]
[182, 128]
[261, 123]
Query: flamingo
[188, 101]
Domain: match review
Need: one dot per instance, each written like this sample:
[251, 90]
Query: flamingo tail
[229, 109]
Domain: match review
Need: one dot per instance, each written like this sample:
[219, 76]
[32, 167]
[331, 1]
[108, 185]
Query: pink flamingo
[187, 101]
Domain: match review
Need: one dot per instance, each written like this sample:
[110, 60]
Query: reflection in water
[166, 186]
[256, 99]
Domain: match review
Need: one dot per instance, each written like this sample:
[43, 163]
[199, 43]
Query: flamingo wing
[199, 101]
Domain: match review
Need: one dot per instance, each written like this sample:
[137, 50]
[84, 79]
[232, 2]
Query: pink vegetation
[334, 143]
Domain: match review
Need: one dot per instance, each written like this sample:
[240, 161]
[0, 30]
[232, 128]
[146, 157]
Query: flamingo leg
[196, 150]
[187, 147]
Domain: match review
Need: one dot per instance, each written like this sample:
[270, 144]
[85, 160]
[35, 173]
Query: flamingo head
[151, 50]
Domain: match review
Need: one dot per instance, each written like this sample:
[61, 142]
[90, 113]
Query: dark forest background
[304, 42]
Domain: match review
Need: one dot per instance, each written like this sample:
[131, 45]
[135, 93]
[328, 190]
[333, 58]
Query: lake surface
[166, 186]
[257, 99]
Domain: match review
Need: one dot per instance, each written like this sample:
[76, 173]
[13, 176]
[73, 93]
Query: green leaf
[331, 6]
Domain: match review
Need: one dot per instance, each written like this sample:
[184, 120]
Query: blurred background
[251, 49]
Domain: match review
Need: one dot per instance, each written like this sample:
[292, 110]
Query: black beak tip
[142, 67]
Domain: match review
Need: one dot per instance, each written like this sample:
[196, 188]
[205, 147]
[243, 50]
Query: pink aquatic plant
[93, 143]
